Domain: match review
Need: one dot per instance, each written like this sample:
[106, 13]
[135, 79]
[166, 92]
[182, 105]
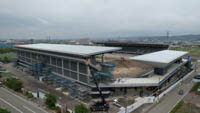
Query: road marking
[29, 109]
[182, 97]
[33, 104]
[11, 105]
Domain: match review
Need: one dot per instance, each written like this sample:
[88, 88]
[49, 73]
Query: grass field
[195, 89]
[192, 51]
[183, 107]
[10, 55]
[6, 74]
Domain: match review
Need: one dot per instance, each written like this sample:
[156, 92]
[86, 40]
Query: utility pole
[167, 36]
[49, 39]
[125, 100]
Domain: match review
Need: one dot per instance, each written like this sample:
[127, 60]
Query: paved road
[16, 104]
[172, 98]
[33, 84]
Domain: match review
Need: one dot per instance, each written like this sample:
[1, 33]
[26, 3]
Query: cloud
[99, 18]
[15, 21]
[43, 21]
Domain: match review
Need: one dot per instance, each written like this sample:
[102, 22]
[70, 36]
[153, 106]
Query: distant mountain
[186, 37]
[164, 38]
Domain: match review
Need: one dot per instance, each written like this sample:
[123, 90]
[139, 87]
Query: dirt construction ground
[127, 68]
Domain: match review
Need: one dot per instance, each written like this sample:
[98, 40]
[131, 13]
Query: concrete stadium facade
[66, 65]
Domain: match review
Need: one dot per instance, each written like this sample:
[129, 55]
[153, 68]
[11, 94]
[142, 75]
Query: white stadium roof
[71, 49]
[160, 59]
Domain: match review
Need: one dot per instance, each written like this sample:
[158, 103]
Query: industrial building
[66, 64]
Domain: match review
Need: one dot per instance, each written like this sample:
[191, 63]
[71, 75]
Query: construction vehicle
[100, 105]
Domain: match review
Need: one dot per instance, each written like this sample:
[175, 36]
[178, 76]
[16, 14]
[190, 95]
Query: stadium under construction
[135, 48]
[69, 66]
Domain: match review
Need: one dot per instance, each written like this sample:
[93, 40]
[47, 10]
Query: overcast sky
[97, 18]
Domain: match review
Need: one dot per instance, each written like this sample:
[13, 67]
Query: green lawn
[10, 55]
[183, 107]
[4, 110]
[6, 74]
[192, 51]
[177, 107]
[195, 89]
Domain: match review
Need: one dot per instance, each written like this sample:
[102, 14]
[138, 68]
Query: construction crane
[100, 105]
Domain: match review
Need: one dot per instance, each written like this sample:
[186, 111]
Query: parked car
[196, 78]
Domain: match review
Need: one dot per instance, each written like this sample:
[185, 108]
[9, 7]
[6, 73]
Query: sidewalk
[33, 84]
[172, 98]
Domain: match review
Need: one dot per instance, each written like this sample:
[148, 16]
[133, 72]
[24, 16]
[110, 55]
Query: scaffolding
[41, 69]
[76, 91]
[105, 72]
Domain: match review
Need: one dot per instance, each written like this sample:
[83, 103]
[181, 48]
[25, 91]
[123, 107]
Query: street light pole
[125, 100]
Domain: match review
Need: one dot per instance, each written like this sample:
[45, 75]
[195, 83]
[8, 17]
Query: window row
[25, 59]
[73, 75]
[67, 64]
[67, 73]
[70, 74]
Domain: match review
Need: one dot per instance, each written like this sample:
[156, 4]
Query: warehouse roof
[161, 58]
[71, 49]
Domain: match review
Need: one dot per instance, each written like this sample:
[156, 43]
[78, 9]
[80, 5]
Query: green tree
[6, 50]
[50, 101]
[4, 110]
[29, 95]
[14, 84]
[6, 59]
[80, 108]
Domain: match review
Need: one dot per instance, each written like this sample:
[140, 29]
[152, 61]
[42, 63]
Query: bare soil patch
[127, 68]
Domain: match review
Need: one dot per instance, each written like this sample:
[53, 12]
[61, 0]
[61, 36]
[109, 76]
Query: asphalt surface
[33, 84]
[172, 98]
[16, 104]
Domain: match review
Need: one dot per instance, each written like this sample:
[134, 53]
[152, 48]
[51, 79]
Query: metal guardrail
[152, 99]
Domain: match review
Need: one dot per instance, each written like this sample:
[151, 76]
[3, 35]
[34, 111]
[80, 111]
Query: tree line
[6, 50]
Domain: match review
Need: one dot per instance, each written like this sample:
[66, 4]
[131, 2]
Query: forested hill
[172, 38]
